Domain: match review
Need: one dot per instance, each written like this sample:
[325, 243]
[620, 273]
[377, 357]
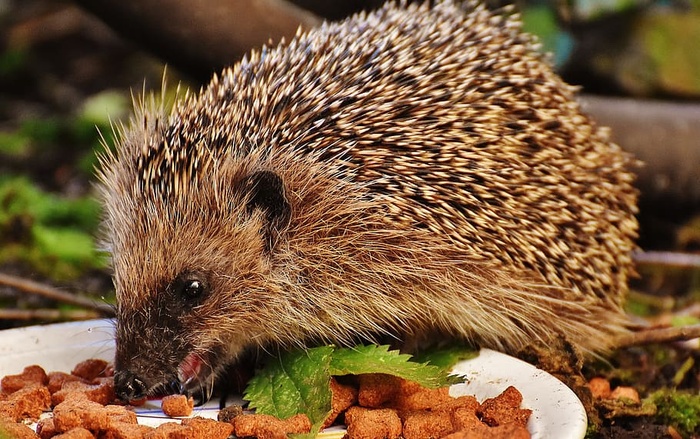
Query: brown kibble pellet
[84, 413]
[600, 387]
[125, 430]
[46, 429]
[425, 424]
[468, 402]
[26, 403]
[504, 409]
[342, 397]
[297, 424]
[177, 405]
[91, 369]
[15, 430]
[465, 417]
[364, 423]
[209, 428]
[422, 399]
[376, 389]
[138, 402]
[57, 379]
[119, 413]
[102, 393]
[31, 376]
[76, 433]
[269, 427]
[510, 431]
[67, 395]
[170, 430]
[228, 413]
[482, 431]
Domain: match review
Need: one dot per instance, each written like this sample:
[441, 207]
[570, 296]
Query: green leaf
[379, 359]
[446, 357]
[299, 381]
[296, 382]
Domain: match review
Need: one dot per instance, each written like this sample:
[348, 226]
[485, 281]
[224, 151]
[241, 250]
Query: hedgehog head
[191, 233]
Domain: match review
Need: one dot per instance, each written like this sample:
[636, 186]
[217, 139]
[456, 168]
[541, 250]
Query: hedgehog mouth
[196, 378]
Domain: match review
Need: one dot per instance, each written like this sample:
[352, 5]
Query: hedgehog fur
[412, 171]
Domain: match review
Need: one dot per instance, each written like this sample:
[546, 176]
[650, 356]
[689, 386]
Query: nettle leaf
[446, 357]
[379, 359]
[296, 382]
[299, 381]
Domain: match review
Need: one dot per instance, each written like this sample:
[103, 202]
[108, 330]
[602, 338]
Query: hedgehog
[413, 173]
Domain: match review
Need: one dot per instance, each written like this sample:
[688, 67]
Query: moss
[87, 131]
[53, 234]
[12, 61]
[14, 144]
[678, 408]
[92, 125]
[667, 38]
[30, 133]
[592, 431]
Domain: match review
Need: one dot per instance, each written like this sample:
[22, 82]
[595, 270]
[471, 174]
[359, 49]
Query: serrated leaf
[446, 357]
[299, 381]
[296, 382]
[379, 359]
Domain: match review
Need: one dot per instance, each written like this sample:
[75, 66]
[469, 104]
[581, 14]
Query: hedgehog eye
[192, 289]
[189, 287]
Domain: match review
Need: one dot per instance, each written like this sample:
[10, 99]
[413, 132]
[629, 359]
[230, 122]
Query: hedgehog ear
[265, 190]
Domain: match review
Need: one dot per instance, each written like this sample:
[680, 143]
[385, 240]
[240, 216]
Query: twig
[32, 287]
[47, 314]
[659, 335]
[670, 259]
[664, 136]
[201, 36]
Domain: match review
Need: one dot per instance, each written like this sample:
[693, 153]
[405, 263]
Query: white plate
[556, 411]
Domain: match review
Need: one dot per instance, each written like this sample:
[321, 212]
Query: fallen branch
[669, 259]
[48, 314]
[32, 287]
[663, 135]
[200, 37]
[659, 335]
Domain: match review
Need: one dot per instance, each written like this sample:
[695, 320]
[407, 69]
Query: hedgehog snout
[128, 386]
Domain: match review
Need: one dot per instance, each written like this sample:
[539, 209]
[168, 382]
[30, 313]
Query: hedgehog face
[192, 292]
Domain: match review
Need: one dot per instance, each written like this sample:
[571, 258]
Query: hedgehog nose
[128, 386]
